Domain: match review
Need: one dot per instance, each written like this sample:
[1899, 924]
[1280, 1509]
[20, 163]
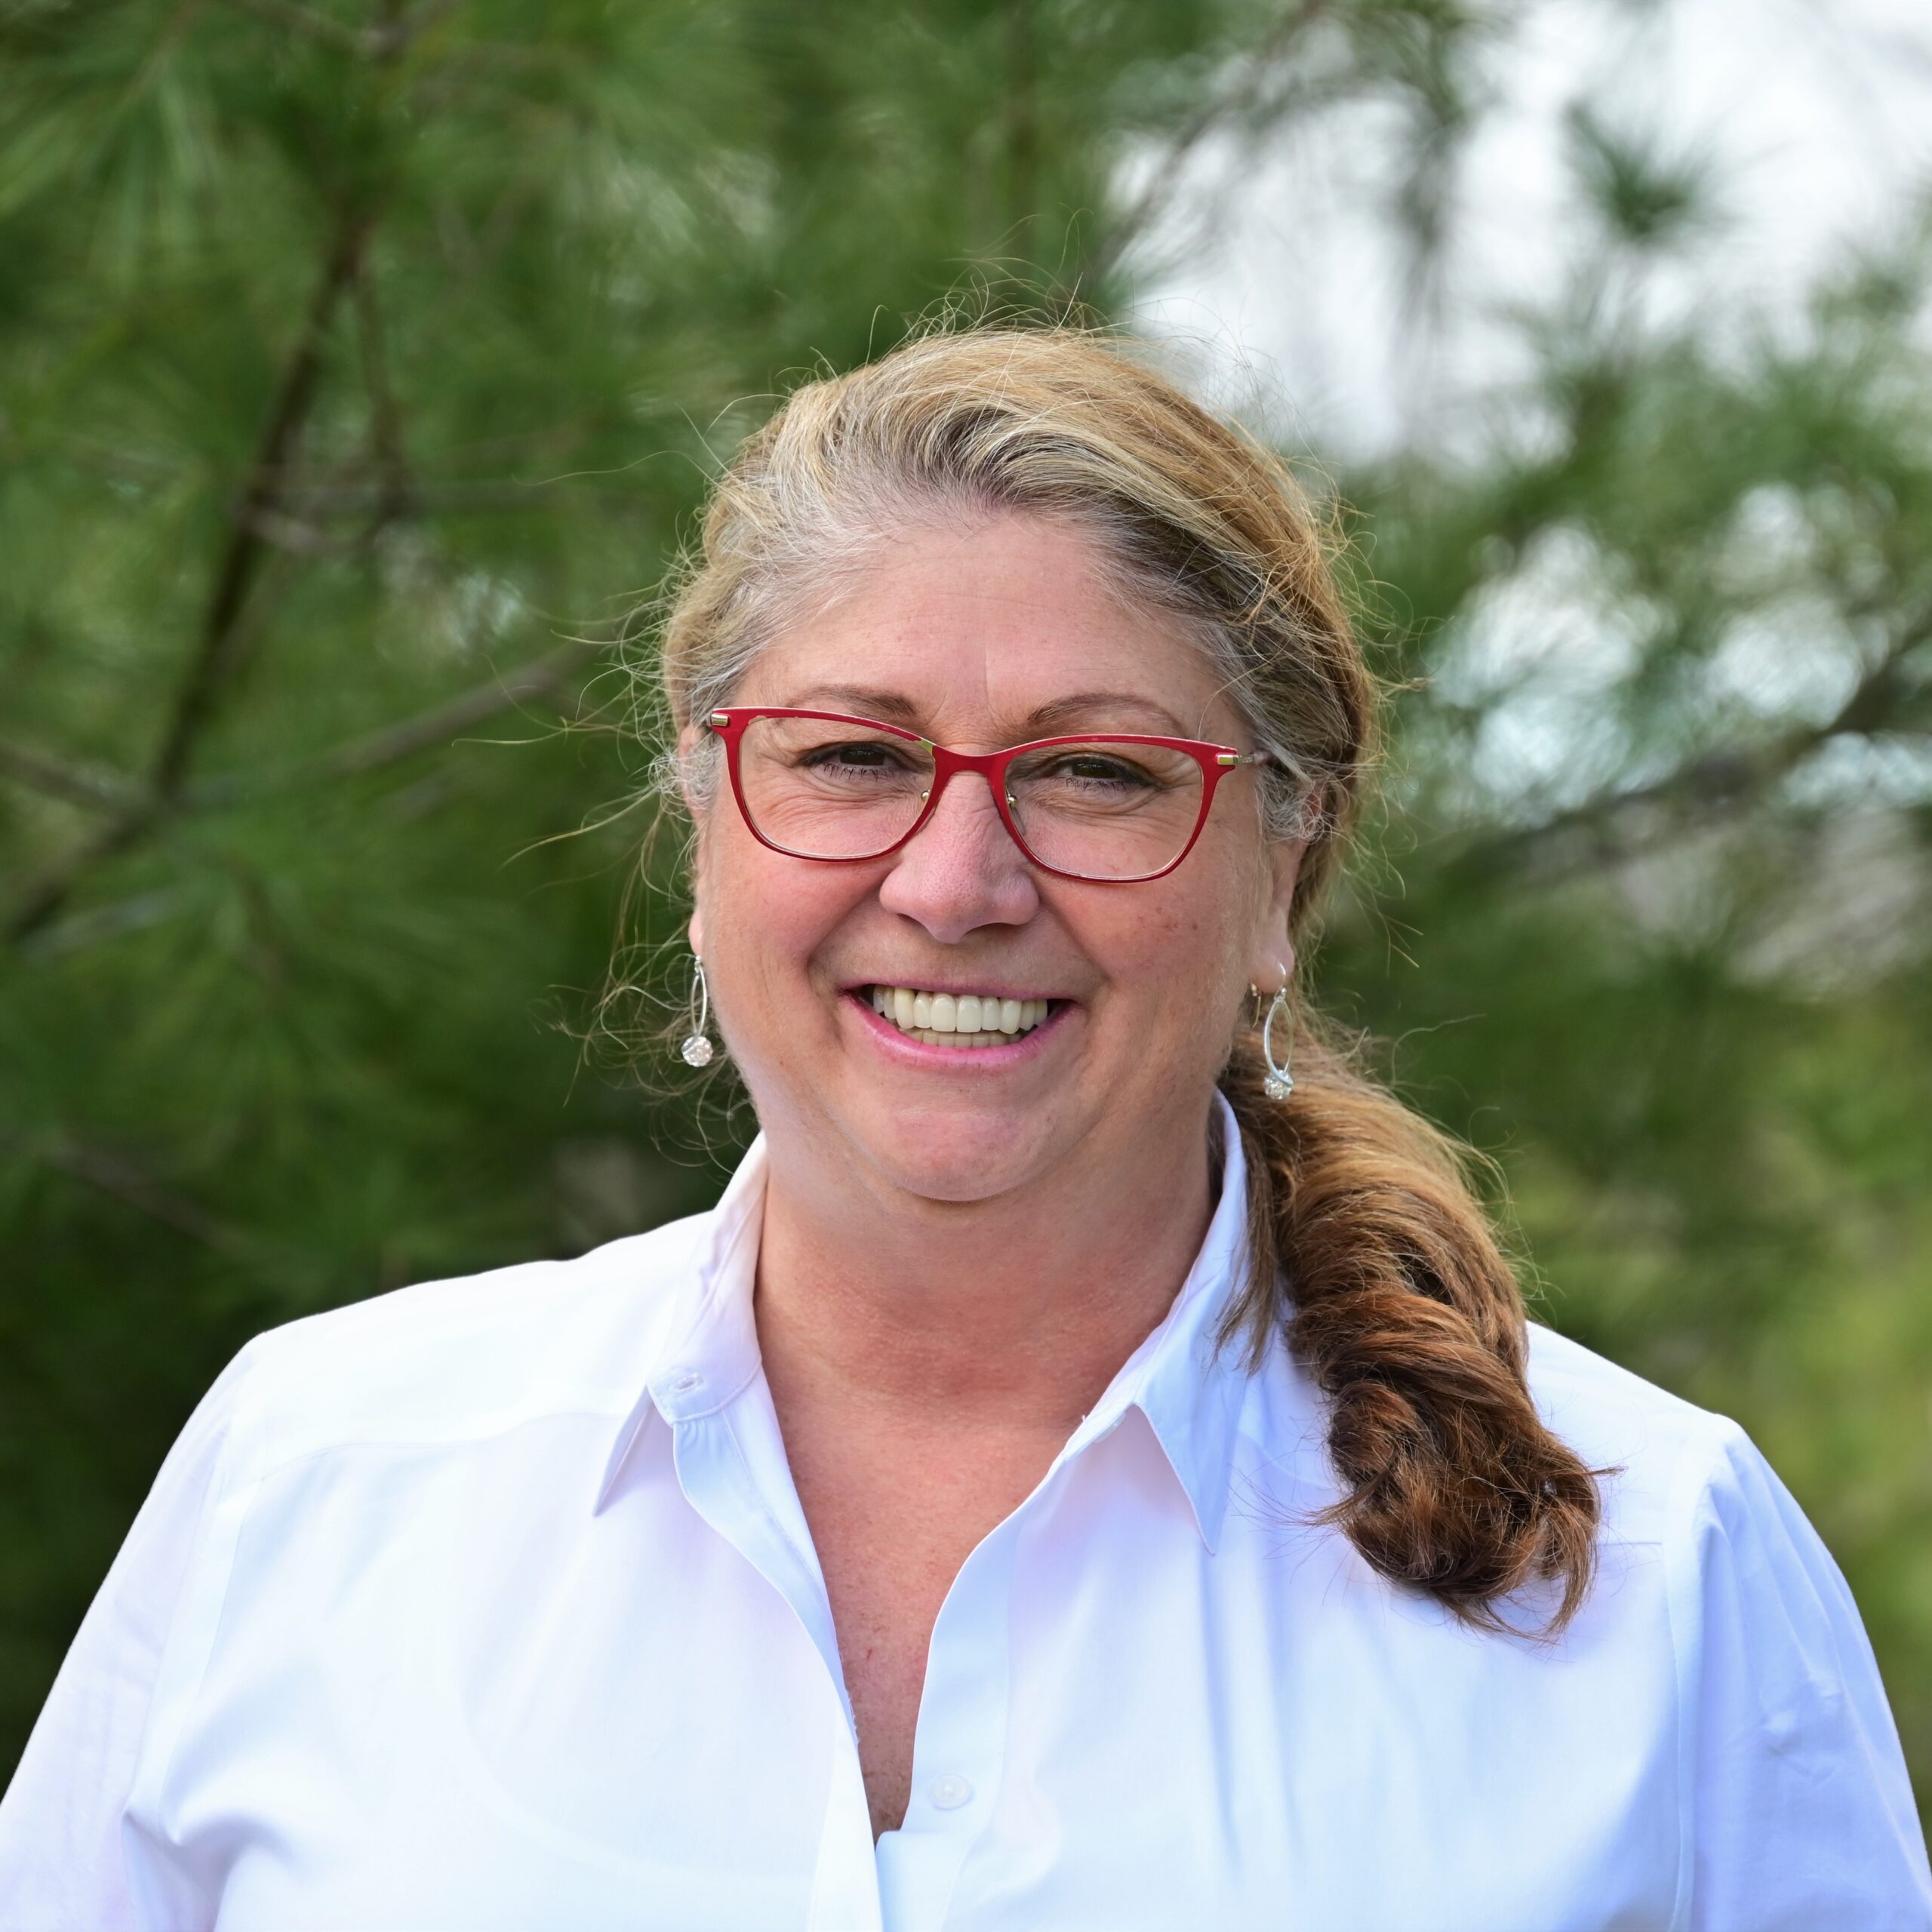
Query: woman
[1083, 1473]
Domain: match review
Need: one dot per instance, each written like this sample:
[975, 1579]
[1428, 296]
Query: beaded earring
[697, 1050]
[1278, 1083]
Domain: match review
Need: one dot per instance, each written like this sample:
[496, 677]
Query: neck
[1013, 1313]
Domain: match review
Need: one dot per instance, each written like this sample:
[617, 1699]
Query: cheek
[763, 913]
[1170, 949]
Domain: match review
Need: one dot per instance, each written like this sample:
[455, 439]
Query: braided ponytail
[1401, 1305]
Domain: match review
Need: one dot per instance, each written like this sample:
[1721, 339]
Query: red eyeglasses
[1117, 809]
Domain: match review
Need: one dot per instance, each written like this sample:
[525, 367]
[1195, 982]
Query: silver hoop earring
[1279, 1083]
[697, 1050]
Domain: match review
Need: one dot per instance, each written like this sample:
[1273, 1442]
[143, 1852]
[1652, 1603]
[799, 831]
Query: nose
[962, 870]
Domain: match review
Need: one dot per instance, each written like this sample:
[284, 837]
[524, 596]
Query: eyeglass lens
[1101, 809]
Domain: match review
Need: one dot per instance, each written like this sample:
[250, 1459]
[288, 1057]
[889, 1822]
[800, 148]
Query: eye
[1092, 770]
[1101, 770]
[856, 754]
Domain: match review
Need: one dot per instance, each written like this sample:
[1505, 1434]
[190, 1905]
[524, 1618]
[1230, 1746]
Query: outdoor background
[360, 367]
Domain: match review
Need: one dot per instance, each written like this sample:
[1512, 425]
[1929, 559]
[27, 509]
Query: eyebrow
[1045, 721]
[861, 700]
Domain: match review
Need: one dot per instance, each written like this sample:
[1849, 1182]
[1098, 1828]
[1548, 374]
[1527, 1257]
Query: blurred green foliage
[355, 365]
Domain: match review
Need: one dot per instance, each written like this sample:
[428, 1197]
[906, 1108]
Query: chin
[943, 1155]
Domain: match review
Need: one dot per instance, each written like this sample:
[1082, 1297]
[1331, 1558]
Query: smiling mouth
[955, 1019]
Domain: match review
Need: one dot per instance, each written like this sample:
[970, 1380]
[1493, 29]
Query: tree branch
[309, 25]
[481, 493]
[121, 1180]
[93, 785]
[1723, 780]
[110, 791]
[384, 41]
[385, 417]
[226, 638]
[394, 743]
[217, 659]
[98, 923]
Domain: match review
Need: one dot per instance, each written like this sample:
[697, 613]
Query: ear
[1273, 960]
[688, 742]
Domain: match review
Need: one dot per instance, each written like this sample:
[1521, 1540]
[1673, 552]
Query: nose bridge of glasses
[948, 765]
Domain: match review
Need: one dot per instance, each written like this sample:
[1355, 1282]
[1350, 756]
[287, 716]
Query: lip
[910, 1052]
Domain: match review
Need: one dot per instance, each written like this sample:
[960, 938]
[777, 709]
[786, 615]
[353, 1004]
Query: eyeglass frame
[1217, 762]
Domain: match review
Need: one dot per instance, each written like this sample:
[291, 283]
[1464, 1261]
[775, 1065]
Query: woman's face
[980, 637]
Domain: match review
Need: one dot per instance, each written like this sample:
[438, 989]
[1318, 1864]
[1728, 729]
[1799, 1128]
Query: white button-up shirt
[489, 1604]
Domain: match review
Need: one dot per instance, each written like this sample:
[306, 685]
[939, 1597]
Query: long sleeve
[1804, 1815]
[63, 1867]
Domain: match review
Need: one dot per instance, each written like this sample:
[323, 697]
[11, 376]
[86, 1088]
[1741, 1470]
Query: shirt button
[950, 1790]
[685, 1380]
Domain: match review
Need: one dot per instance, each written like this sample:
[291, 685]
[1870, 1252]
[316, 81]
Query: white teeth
[956, 1019]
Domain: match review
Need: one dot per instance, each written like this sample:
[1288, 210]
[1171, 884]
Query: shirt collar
[708, 1351]
[1189, 1389]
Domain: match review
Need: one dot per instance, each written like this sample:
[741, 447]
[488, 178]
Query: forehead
[974, 631]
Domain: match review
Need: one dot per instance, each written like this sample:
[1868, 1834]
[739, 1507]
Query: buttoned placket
[730, 1464]
[960, 1742]
[1192, 1401]
[730, 1461]
[729, 1456]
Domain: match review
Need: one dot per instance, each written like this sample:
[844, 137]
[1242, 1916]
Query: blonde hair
[1369, 1246]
